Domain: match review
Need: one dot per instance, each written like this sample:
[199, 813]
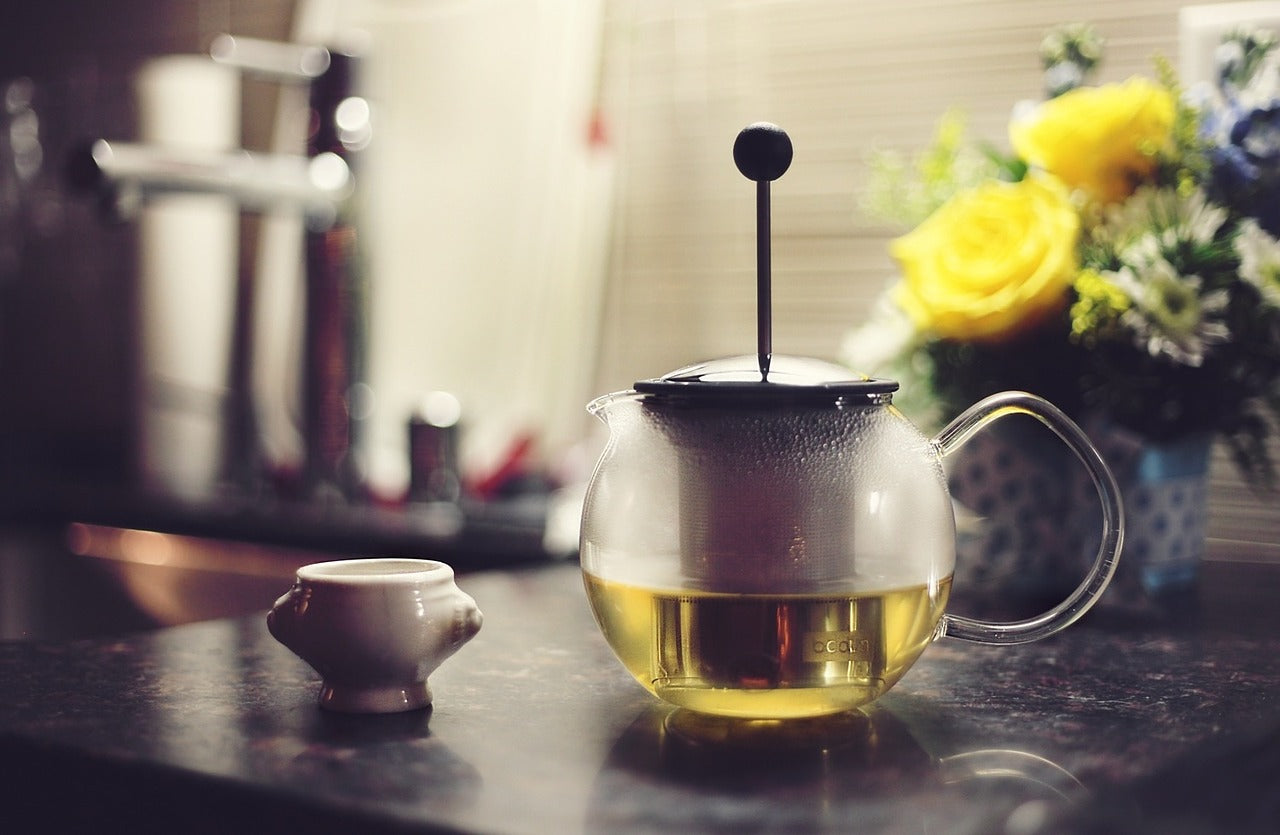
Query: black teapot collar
[790, 379]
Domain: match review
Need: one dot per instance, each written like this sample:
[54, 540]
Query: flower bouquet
[1121, 261]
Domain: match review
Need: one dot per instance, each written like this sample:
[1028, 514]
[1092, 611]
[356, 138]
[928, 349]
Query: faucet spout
[128, 174]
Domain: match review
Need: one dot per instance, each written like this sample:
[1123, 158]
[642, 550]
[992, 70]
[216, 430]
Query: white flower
[1259, 260]
[883, 339]
[1206, 98]
[1248, 67]
[1192, 219]
[1170, 317]
[1263, 86]
[1063, 77]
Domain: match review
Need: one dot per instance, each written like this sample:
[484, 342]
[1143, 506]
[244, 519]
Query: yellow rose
[1102, 140]
[990, 261]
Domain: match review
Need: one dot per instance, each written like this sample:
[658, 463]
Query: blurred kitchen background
[545, 210]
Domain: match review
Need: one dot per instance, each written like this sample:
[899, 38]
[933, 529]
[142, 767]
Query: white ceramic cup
[374, 629]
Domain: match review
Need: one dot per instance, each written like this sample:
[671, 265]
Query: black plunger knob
[762, 152]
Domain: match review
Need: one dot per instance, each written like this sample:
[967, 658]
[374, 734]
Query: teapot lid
[788, 380]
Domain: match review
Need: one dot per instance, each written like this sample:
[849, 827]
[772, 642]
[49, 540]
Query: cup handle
[1095, 582]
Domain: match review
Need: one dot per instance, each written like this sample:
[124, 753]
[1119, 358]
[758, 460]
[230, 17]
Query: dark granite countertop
[1119, 724]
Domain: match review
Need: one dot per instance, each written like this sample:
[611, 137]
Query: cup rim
[365, 571]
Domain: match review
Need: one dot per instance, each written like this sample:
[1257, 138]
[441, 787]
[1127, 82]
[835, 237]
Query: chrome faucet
[128, 174]
[319, 184]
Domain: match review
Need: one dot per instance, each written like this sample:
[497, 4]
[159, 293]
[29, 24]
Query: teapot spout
[602, 405]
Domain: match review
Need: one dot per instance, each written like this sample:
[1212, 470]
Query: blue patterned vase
[1015, 501]
[1029, 523]
[1165, 489]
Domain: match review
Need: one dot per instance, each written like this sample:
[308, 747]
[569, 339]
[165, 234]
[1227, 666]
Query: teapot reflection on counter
[769, 537]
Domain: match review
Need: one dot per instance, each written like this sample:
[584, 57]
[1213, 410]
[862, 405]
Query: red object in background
[514, 464]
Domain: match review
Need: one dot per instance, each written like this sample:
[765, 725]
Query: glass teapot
[767, 537]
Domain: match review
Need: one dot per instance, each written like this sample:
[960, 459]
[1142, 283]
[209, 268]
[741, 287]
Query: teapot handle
[1095, 582]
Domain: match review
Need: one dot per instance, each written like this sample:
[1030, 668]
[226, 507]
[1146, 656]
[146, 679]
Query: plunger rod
[764, 280]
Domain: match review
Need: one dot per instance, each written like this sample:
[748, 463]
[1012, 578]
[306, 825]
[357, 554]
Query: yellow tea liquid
[766, 655]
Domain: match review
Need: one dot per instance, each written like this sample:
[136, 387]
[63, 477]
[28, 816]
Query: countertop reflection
[536, 728]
